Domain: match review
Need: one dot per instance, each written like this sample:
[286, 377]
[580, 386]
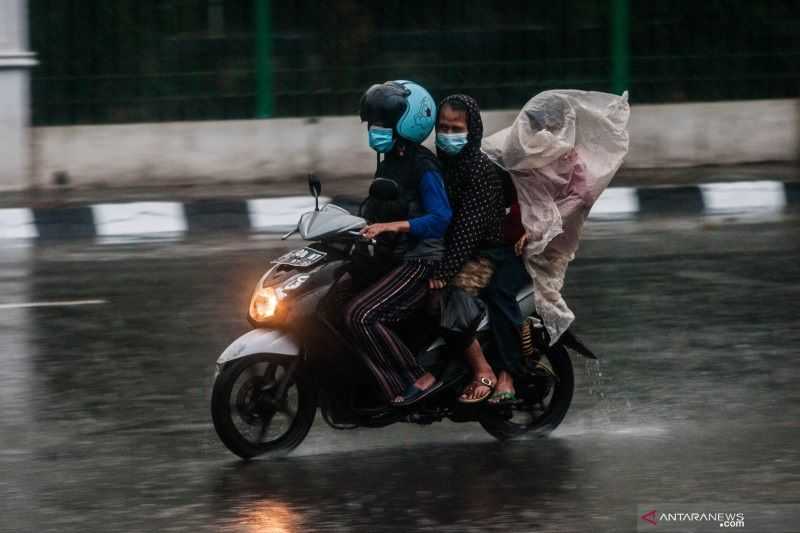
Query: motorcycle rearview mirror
[315, 186]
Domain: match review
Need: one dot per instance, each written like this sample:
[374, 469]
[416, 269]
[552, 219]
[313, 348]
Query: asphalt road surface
[108, 351]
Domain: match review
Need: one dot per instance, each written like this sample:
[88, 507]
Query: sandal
[481, 382]
[413, 394]
[502, 398]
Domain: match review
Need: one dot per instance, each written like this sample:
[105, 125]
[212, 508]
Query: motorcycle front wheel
[544, 401]
[262, 405]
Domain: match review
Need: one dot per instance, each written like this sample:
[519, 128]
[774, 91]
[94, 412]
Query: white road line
[743, 196]
[141, 238]
[68, 303]
[139, 218]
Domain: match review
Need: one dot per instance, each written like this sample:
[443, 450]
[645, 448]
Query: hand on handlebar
[373, 230]
[362, 237]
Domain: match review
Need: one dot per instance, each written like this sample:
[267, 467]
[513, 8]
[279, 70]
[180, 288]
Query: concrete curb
[274, 215]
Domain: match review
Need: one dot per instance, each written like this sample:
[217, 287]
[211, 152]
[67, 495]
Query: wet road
[104, 421]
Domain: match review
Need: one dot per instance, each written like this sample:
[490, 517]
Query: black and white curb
[156, 218]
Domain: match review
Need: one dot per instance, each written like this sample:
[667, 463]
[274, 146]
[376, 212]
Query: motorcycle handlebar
[361, 237]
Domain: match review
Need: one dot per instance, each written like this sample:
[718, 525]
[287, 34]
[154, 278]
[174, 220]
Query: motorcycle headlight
[265, 303]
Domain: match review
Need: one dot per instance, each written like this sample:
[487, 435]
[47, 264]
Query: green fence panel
[173, 60]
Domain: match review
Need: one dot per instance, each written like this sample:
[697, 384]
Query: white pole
[15, 64]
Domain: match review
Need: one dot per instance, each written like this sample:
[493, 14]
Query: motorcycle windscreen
[329, 220]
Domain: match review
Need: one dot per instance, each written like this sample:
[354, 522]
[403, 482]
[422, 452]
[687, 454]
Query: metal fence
[166, 60]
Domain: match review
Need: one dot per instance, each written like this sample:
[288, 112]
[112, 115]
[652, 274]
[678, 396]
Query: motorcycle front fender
[260, 341]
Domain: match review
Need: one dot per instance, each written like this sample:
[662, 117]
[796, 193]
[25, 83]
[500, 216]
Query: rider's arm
[433, 224]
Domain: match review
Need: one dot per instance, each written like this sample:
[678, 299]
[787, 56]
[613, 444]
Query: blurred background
[180, 62]
[166, 60]
[153, 151]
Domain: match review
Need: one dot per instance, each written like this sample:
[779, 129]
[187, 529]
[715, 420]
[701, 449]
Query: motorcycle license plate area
[301, 258]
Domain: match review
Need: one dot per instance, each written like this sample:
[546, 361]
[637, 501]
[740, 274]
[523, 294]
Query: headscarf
[562, 151]
[470, 161]
[475, 191]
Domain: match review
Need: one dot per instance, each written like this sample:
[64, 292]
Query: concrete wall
[175, 152]
[714, 133]
[15, 63]
[671, 135]
[680, 135]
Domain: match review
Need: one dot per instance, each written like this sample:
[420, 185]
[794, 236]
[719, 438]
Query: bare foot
[505, 383]
[504, 390]
[425, 381]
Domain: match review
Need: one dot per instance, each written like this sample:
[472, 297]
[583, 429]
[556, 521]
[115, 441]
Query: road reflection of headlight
[264, 303]
[269, 516]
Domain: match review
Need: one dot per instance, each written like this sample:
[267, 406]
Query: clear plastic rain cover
[562, 151]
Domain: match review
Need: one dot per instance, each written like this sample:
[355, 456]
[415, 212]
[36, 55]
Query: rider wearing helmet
[400, 115]
[408, 213]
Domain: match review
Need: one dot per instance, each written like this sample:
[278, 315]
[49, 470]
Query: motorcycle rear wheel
[497, 422]
[249, 417]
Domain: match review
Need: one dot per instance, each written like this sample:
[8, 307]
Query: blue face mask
[381, 139]
[451, 143]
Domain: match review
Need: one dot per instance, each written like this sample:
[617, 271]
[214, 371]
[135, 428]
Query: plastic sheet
[562, 151]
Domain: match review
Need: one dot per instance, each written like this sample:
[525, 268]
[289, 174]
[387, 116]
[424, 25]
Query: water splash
[610, 410]
[598, 390]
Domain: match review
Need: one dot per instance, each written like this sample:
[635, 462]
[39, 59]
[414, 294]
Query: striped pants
[370, 315]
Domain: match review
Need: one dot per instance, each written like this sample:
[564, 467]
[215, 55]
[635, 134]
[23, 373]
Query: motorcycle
[270, 382]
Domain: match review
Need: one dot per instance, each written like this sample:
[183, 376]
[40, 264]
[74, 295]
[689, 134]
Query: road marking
[743, 196]
[279, 214]
[139, 218]
[67, 303]
[152, 238]
[615, 202]
[17, 223]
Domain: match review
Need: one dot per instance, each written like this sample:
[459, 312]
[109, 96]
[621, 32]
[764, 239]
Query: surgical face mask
[451, 143]
[381, 139]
